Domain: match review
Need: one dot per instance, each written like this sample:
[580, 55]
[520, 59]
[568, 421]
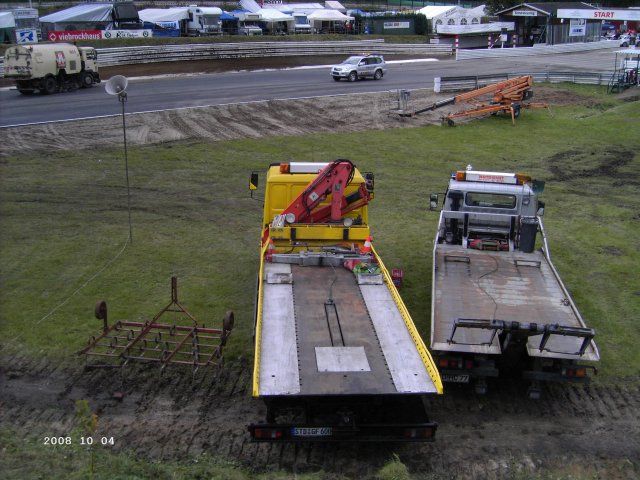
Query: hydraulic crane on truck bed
[505, 97]
[332, 180]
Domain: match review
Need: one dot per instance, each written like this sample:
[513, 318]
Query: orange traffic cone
[270, 248]
[366, 248]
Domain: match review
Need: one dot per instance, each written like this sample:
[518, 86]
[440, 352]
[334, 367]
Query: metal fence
[536, 50]
[452, 84]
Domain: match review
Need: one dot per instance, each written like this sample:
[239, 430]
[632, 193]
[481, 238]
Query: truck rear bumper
[422, 432]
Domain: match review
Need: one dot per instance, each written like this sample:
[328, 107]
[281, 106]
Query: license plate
[311, 432]
[455, 378]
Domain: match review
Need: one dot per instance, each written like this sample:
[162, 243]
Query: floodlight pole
[122, 97]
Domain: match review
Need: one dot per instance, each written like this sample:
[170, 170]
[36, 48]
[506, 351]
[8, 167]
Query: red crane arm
[332, 180]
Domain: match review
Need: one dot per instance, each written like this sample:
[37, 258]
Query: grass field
[63, 240]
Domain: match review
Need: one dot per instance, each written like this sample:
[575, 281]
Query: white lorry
[51, 68]
[204, 21]
[498, 304]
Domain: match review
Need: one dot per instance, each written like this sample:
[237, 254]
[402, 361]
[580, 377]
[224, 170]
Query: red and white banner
[57, 36]
[74, 35]
[615, 14]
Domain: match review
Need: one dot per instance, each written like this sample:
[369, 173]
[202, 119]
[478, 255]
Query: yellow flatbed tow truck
[337, 355]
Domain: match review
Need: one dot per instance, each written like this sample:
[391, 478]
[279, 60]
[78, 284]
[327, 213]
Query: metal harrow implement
[151, 341]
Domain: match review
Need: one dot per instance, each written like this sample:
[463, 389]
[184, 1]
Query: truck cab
[486, 208]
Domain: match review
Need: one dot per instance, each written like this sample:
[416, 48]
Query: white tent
[325, 15]
[272, 15]
[7, 20]
[317, 17]
[334, 5]
[155, 15]
[432, 11]
[90, 12]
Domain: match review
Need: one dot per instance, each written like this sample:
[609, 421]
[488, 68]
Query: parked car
[362, 66]
[628, 39]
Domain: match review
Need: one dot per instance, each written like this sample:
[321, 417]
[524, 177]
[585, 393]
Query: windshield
[353, 60]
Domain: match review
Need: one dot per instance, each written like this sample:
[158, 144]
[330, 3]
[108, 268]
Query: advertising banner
[577, 27]
[390, 25]
[126, 33]
[630, 14]
[26, 35]
[57, 36]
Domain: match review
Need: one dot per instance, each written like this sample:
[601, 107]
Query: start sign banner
[601, 14]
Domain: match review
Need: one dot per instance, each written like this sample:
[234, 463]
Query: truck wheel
[86, 80]
[26, 91]
[353, 76]
[377, 75]
[50, 85]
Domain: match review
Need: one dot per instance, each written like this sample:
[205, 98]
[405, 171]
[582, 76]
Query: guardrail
[108, 57]
[211, 51]
[452, 84]
[536, 50]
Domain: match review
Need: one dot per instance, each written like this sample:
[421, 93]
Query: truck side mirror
[433, 201]
[253, 182]
[369, 180]
[540, 212]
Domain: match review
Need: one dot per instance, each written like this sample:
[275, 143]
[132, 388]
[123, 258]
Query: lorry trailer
[498, 303]
[51, 68]
[337, 355]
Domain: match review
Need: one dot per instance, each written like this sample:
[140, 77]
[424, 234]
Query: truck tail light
[284, 168]
[268, 433]
[420, 432]
[578, 372]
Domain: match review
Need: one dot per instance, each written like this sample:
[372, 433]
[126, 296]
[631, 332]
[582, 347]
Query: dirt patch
[256, 120]
[580, 163]
[176, 416]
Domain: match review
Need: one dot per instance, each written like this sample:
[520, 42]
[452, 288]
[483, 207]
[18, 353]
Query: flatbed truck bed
[501, 285]
[323, 334]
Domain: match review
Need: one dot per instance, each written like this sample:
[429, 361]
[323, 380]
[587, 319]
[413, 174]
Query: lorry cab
[490, 209]
[89, 57]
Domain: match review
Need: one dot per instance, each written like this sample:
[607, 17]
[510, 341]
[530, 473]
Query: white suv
[354, 68]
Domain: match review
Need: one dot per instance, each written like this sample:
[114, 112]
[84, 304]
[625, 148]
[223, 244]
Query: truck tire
[49, 85]
[25, 91]
[377, 75]
[86, 80]
[353, 76]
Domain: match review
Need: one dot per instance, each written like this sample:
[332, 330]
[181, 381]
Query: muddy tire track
[177, 415]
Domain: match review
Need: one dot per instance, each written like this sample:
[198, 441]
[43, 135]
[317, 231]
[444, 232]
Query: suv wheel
[377, 75]
[353, 76]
